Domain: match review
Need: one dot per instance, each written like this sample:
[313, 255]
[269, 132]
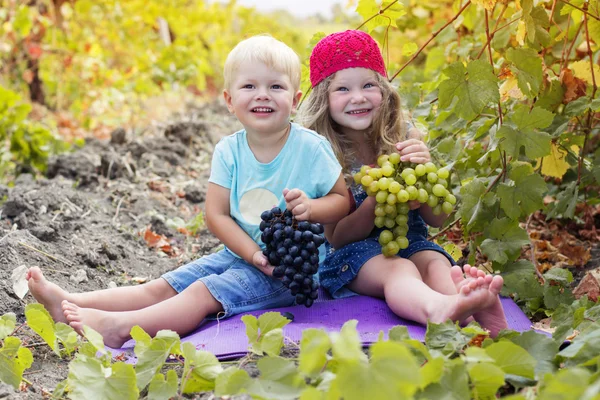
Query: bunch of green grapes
[394, 184]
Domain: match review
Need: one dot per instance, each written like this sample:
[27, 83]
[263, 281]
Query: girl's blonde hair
[388, 126]
[267, 50]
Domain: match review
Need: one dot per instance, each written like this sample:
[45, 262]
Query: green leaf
[370, 8]
[559, 275]
[398, 333]
[89, 379]
[276, 369]
[446, 337]
[474, 209]
[523, 197]
[394, 365]
[475, 87]
[161, 389]
[527, 66]
[565, 202]
[314, 346]
[272, 342]
[347, 347]
[551, 96]
[577, 107]
[200, 368]
[432, 372]
[231, 381]
[14, 359]
[585, 346]
[568, 384]
[505, 239]
[40, 321]
[486, 379]
[23, 21]
[152, 355]
[524, 132]
[251, 328]
[454, 384]
[7, 324]
[541, 347]
[66, 336]
[270, 321]
[512, 358]
[94, 338]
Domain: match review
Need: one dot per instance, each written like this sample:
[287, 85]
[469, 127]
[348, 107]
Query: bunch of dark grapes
[293, 249]
[394, 184]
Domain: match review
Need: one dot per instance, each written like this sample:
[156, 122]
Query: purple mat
[227, 339]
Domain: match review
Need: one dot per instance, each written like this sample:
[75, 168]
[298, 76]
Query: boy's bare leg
[434, 268]
[118, 299]
[492, 317]
[181, 313]
[399, 282]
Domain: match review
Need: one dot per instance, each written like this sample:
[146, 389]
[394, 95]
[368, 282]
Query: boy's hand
[414, 151]
[260, 261]
[298, 203]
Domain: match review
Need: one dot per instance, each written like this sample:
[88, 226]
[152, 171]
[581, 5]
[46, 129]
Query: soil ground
[111, 214]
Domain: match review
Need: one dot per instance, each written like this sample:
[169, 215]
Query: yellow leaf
[554, 164]
[510, 89]
[453, 250]
[488, 4]
[521, 32]
[582, 70]
[409, 49]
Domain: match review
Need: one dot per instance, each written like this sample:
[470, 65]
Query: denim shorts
[342, 265]
[237, 285]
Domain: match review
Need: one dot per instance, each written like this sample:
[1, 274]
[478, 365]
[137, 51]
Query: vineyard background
[109, 112]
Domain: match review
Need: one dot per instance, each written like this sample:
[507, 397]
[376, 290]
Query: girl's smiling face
[354, 99]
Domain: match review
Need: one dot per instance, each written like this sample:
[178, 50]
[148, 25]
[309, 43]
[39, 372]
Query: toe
[456, 274]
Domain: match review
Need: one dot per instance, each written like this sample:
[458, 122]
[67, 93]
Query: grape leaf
[152, 355]
[393, 364]
[200, 368]
[527, 67]
[14, 359]
[565, 202]
[7, 324]
[251, 323]
[40, 321]
[504, 240]
[454, 384]
[554, 164]
[488, 4]
[512, 358]
[89, 379]
[541, 347]
[486, 379]
[523, 196]
[523, 132]
[231, 381]
[398, 333]
[161, 389]
[370, 8]
[347, 347]
[314, 346]
[66, 336]
[271, 342]
[566, 384]
[475, 87]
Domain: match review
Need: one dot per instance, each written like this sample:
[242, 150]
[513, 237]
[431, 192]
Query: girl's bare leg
[181, 313]
[118, 299]
[399, 282]
[434, 268]
[492, 318]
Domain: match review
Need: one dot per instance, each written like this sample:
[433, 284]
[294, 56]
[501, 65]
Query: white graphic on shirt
[254, 202]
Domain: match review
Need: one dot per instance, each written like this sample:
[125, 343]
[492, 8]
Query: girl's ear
[228, 101]
[296, 100]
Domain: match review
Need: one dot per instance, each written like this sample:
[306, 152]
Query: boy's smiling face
[262, 98]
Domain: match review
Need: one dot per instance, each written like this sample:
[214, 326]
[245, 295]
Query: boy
[251, 172]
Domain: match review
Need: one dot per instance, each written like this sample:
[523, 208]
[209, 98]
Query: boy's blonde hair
[267, 50]
[388, 126]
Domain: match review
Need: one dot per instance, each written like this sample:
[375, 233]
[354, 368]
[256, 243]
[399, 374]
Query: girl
[356, 108]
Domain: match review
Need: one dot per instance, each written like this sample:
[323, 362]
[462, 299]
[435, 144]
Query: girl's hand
[260, 261]
[414, 204]
[298, 203]
[414, 151]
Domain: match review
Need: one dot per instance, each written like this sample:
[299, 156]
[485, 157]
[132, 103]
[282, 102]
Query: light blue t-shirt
[305, 162]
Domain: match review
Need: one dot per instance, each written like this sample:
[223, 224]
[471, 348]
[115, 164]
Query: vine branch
[583, 10]
[378, 14]
[433, 36]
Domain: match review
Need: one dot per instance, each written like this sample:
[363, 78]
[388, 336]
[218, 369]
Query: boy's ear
[228, 101]
[296, 100]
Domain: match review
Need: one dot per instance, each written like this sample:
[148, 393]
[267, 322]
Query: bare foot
[472, 297]
[47, 293]
[111, 325]
[492, 317]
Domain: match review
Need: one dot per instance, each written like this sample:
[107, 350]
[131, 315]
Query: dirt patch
[84, 223]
